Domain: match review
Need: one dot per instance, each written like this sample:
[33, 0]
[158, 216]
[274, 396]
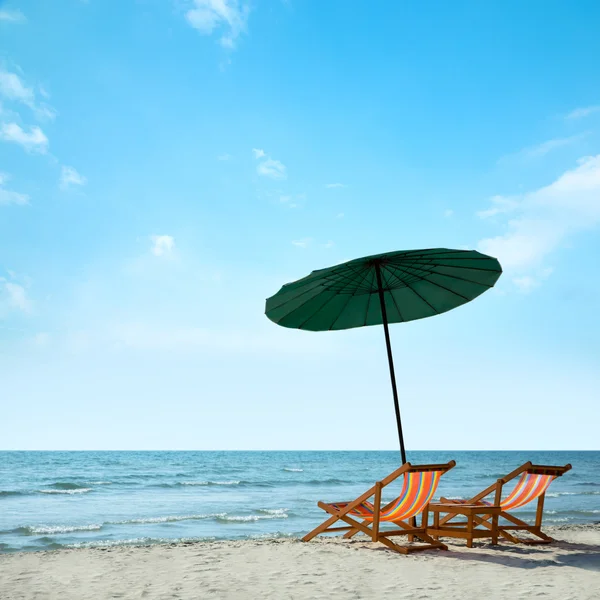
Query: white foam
[282, 512]
[233, 482]
[54, 529]
[291, 470]
[70, 492]
[251, 518]
[168, 519]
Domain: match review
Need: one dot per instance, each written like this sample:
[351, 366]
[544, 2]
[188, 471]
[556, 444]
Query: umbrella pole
[390, 360]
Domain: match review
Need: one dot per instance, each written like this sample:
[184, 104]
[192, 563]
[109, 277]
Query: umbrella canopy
[384, 288]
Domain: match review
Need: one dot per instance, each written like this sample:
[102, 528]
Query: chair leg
[320, 529]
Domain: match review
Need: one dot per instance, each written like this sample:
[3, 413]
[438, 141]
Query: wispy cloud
[500, 205]
[331, 186]
[13, 88]
[269, 167]
[224, 157]
[272, 168]
[448, 213]
[12, 16]
[329, 244]
[162, 245]
[13, 295]
[339, 216]
[32, 141]
[9, 197]
[69, 177]
[302, 243]
[527, 283]
[543, 219]
[540, 150]
[228, 16]
[580, 113]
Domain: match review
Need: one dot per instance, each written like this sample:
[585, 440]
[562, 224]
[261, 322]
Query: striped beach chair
[532, 484]
[363, 516]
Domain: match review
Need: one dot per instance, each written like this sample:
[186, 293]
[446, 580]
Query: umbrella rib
[433, 308]
[298, 295]
[428, 262]
[347, 279]
[438, 285]
[432, 272]
[350, 296]
[316, 311]
[394, 300]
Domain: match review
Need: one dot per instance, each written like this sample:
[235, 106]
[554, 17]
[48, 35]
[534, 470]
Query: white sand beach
[569, 569]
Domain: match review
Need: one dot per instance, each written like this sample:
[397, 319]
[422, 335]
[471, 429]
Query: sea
[52, 500]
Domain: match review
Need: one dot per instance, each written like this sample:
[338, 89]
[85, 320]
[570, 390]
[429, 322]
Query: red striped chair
[420, 484]
[532, 484]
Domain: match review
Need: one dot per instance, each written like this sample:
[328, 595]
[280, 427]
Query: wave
[7, 493]
[70, 492]
[283, 512]
[168, 519]
[559, 494]
[250, 518]
[54, 529]
[330, 481]
[232, 482]
[292, 470]
[589, 483]
[66, 485]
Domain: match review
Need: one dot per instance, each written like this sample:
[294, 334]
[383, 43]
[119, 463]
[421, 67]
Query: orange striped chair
[363, 516]
[532, 484]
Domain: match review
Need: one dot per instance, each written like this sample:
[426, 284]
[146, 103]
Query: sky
[167, 165]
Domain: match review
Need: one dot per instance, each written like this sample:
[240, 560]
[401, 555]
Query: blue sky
[166, 165]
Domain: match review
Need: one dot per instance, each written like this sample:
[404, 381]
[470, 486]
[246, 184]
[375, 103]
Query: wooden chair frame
[517, 524]
[353, 526]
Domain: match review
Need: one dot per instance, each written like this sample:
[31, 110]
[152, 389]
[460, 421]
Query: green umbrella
[394, 287]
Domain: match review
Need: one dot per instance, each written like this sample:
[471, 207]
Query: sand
[569, 569]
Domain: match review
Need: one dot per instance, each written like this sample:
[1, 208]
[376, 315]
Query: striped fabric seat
[417, 491]
[529, 487]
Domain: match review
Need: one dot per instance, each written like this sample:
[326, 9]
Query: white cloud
[162, 245]
[545, 218]
[527, 283]
[340, 216]
[335, 185]
[580, 113]
[14, 89]
[12, 16]
[272, 168]
[290, 202]
[34, 141]
[540, 150]
[329, 244]
[269, 167]
[9, 197]
[14, 296]
[229, 15]
[224, 157]
[302, 243]
[448, 213]
[70, 177]
[500, 205]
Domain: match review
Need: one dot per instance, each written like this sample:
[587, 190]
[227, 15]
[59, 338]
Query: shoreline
[323, 568]
[109, 545]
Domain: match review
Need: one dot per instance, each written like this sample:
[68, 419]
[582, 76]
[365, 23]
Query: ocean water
[51, 500]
